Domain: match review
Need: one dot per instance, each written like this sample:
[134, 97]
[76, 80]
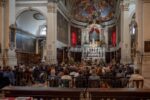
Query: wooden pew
[43, 92]
[48, 93]
[118, 94]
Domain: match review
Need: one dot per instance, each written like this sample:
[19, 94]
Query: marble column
[125, 35]
[51, 39]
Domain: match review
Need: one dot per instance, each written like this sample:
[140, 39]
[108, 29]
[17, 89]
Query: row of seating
[49, 93]
[84, 83]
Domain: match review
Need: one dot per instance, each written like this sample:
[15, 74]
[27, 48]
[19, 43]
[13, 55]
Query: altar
[93, 43]
[91, 52]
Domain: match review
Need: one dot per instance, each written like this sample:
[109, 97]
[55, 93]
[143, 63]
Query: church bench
[43, 92]
[118, 94]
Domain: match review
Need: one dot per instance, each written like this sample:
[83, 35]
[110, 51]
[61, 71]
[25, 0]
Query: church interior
[74, 49]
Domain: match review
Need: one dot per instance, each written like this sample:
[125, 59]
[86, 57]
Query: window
[43, 30]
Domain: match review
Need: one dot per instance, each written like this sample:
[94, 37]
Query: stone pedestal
[12, 60]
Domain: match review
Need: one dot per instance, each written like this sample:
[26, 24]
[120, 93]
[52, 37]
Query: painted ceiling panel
[88, 10]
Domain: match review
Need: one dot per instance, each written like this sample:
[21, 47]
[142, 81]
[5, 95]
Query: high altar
[93, 43]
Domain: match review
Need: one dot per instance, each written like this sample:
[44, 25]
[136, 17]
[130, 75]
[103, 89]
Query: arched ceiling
[89, 10]
[30, 21]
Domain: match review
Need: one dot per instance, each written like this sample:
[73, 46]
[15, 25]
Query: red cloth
[74, 38]
[113, 38]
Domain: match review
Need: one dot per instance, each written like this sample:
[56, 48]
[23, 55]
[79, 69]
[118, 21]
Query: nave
[96, 49]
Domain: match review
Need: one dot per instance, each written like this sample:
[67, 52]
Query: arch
[132, 14]
[26, 9]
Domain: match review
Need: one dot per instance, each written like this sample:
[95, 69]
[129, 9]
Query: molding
[31, 0]
[30, 8]
[30, 4]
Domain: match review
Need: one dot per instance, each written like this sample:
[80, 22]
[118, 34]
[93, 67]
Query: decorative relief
[31, 4]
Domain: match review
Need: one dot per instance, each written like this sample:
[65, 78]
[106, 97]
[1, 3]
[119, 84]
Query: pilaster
[125, 35]
[51, 39]
[37, 46]
[4, 31]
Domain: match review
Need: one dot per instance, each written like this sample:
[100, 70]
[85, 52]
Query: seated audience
[135, 77]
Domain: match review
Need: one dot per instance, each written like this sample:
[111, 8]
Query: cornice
[30, 4]
[31, 0]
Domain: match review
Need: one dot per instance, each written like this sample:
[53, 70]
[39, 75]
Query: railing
[48, 93]
[119, 94]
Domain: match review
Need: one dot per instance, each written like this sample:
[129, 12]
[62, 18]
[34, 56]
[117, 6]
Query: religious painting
[94, 34]
[75, 36]
[112, 40]
[62, 28]
[25, 42]
[87, 10]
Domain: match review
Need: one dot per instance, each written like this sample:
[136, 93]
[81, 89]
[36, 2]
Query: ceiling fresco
[89, 10]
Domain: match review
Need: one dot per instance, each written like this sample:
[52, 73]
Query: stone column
[125, 35]
[142, 18]
[51, 39]
[106, 36]
[37, 46]
[69, 34]
[11, 34]
[4, 8]
[43, 50]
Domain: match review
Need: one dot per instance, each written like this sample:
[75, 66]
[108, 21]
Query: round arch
[131, 14]
[26, 9]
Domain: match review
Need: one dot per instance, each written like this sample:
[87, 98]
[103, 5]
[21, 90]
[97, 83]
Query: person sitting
[80, 80]
[104, 85]
[94, 79]
[135, 79]
[66, 79]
